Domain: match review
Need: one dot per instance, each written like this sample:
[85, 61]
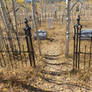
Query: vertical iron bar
[32, 49]
[84, 57]
[29, 52]
[90, 51]
[77, 48]
[27, 29]
[74, 54]
[29, 42]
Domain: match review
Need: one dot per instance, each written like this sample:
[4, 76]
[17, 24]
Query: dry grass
[19, 80]
[23, 79]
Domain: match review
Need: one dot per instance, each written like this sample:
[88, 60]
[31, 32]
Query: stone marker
[50, 23]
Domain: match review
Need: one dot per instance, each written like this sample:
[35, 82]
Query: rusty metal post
[77, 43]
[28, 37]
[90, 51]
[85, 57]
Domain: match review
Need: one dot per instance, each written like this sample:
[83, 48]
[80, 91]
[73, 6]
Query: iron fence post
[28, 34]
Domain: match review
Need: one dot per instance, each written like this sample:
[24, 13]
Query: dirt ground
[53, 72]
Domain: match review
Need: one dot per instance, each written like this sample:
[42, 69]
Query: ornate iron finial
[27, 27]
[78, 20]
[26, 21]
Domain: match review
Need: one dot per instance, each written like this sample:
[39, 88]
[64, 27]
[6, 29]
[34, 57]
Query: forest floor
[53, 72]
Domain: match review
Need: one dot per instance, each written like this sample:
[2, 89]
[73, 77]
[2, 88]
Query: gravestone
[50, 23]
[55, 15]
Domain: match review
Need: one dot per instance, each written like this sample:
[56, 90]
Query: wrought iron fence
[13, 56]
[82, 55]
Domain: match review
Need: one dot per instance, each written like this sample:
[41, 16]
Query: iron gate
[17, 55]
[82, 55]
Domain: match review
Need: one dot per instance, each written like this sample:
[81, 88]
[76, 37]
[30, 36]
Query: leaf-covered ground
[53, 72]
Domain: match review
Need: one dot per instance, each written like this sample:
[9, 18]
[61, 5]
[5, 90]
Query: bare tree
[26, 9]
[69, 12]
[7, 22]
[33, 14]
[14, 11]
[67, 27]
[41, 11]
[34, 24]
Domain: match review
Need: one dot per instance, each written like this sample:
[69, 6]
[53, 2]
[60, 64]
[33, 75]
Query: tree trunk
[6, 23]
[14, 11]
[67, 27]
[41, 11]
[34, 25]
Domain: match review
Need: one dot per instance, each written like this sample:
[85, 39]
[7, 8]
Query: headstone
[50, 23]
[55, 15]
